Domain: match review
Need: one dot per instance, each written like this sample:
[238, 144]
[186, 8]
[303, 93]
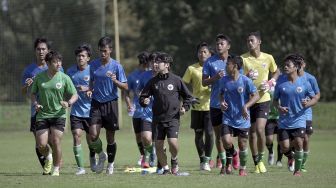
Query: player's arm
[120, 85]
[145, 94]
[313, 97]
[207, 80]
[188, 99]
[254, 97]
[128, 100]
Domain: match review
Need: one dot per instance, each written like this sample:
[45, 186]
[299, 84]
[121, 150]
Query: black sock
[40, 157]
[199, 143]
[111, 152]
[141, 148]
[289, 154]
[229, 155]
[92, 153]
[270, 148]
[255, 159]
[279, 153]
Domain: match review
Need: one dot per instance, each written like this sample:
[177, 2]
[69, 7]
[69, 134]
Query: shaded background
[286, 26]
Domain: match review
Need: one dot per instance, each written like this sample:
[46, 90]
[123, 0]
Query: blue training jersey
[104, 89]
[147, 114]
[313, 83]
[81, 108]
[211, 67]
[30, 72]
[236, 94]
[290, 96]
[133, 81]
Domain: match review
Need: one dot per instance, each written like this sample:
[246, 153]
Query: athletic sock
[79, 155]
[92, 153]
[270, 148]
[229, 155]
[255, 159]
[305, 157]
[298, 160]
[243, 158]
[96, 146]
[40, 157]
[141, 148]
[279, 153]
[222, 157]
[261, 156]
[148, 150]
[111, 152]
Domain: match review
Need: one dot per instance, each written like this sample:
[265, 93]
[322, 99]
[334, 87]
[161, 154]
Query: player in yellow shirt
[200, 113]
[258, 65]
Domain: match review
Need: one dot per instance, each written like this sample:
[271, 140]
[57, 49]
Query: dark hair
[152, 56]
[42, 40]
[105, 41]
[237, 60]
[204, 44]
[223, 37]
[256, 34]
[164, 57]
[83, 47]
[295, 59]
[52, 55]
[143, 57]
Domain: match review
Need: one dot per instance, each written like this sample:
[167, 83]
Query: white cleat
[110, 168]
[206, 167]
[80, 171]
[278, 163]
[101, 161]
[271, 159]
[140, 160]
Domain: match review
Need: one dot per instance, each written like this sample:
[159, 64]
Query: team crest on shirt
[299, 89]
[43, 84]
[156, 86]
[58, 85]
[86, 78]
[263, 65]
[240, 89]
[170, 87]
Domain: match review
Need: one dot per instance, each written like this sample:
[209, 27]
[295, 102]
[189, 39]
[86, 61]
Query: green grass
[20, 168]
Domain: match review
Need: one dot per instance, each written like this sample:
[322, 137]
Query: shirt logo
[170, 87]
[299, 89]
[58, 85]
[86, 78]
[156, 86]
[240, 89]
[263, 65]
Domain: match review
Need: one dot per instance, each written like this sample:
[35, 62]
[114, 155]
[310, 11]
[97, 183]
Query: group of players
[231, 97]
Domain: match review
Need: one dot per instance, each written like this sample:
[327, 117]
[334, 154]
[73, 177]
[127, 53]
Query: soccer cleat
[93, 164]
[262, 168]
[235, 161]
[303, 168]
[47, 166]
[228, 169]
[159, 171]
[222, 172]
[166, 172]
[110, 168]
[297, 173]
[271, 159]
[242, 172]
[212, 163]
[144, 164]
[174, 167]
[140, 160]
[206, 167]
[219, 163]
[201, 166]
[257, 171]
[291, 165]
[279, 163]
[152, 158]
[80, 171]
[55, 173]
[101, 161]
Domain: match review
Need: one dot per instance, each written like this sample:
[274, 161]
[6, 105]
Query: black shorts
[57, 123]
[33, 124]
[216, 115]
[149, 126]
[105, 114]
[285, 134]
[309, 127]
[200, 120]
[169, 129]
[259, 110]
[242, 133]
[80, 123]
[271, 127]
[137, 122]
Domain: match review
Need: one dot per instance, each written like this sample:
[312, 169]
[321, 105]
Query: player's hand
[113, 76]
[268, 85]
[220, 74]
[65, 104]
[224, 106]
[130, 108]
[305, 101]
[82, 88]
[282, 109]
[89, 93]
[194, 101]
[29, 82]
[146, 101]
[253, 74]
[245, 113]
[182, 111]
[38, 107]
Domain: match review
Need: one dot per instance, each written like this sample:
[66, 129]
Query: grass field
[19, 166]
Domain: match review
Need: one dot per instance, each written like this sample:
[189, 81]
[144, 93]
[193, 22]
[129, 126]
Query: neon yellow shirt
[264, 64]
[193, 76]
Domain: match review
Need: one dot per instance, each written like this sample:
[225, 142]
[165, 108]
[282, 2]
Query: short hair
[204, 44]
[164, 57]
[42, 40]
[52, 55]
[237, 60]
[295, 59]
[143, 57]
[105, 41]
[83, 47]
[152, 56]
[223, 37]
[256, 34]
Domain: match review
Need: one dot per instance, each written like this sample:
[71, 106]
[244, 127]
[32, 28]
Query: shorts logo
[176, 133]
[240, 89]
[246, 133]
[302, 132]
[170, 87]
[299, 89]
[58, 85]
[86, 78]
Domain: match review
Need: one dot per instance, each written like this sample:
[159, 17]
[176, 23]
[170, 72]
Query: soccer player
[309, 111]
[167, 89]
[260, 64]
[41, 46]
[52, 88]
[133, 107]
[238, 94]
[80, 110]
[200, 114]
[290, 99]
[213, 71]
[106, 76]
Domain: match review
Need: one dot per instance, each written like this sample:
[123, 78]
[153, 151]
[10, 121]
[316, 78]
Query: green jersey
[273, 114]
[51, 91]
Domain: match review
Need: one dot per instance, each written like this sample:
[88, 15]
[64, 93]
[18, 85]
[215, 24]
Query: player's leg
[40, 157]
[216, 120]
[56, 130]
[285, 145]
[228, 146]
[309, 132]
[196, 125]
[243, 151]
[269, 133]
[111, 150]
[137, 123]
[172, 137]
[209, 141]
[76, 129]
[146, 137]
[298, 135]
[159, 145]
[92, 155]
[42, 140]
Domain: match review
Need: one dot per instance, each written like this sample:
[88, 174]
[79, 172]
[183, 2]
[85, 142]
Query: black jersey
[168, 90]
